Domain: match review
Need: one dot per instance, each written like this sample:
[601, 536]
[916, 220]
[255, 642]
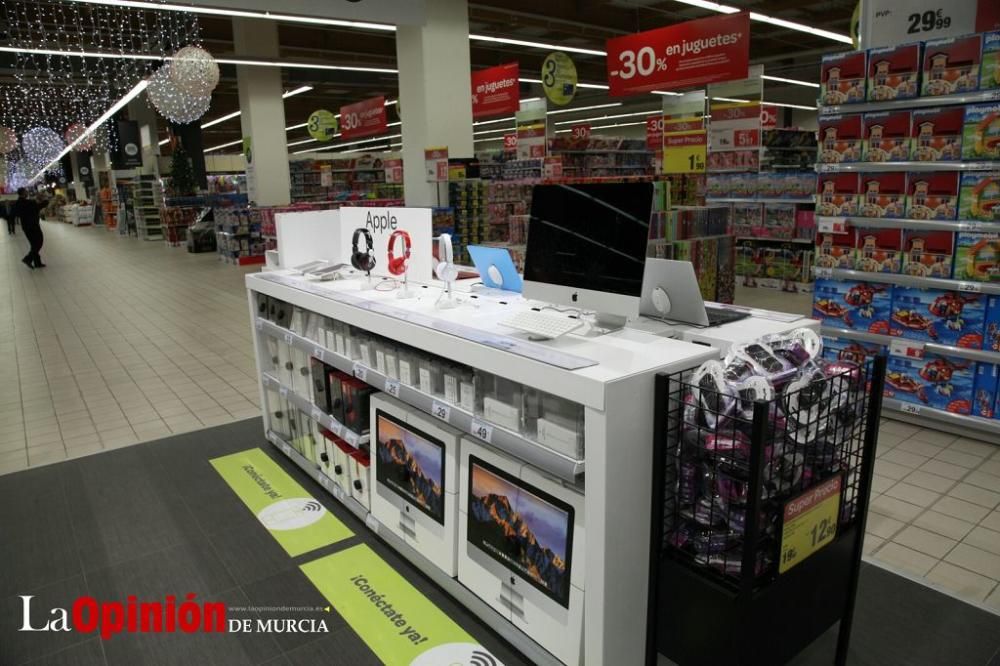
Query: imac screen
[525, 529]
[411, 464]
[590, 236]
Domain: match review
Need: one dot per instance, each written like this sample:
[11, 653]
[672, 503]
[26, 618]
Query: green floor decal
[397, 622]
[293, 517]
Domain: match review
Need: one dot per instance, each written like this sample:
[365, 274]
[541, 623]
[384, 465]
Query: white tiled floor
[935, 508]
[117, 341]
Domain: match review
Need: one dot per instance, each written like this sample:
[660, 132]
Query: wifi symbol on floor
[312, 505]
[480, 658]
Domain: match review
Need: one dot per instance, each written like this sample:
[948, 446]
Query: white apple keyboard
[541, 326]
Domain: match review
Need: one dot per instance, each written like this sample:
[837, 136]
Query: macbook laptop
[670, 291]
[496, 268]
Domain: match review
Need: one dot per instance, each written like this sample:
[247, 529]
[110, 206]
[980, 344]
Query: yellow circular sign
[322, 125]
[559, 78]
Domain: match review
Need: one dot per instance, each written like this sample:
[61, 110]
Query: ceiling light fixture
[535, 45]
[584, 108]
[297, 91]
[764, 18]
[228, 116]
[794, 82]
[612, 117]
[223, 145]
[164, 142]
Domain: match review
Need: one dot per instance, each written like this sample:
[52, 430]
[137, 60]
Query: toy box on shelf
[774, 264]
[941, 382]
[238, 236]
[859, 306]
[933, 315]
[175, 221]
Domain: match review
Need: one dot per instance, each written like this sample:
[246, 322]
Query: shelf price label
[316, 414]
[286, 449]
[483, 431]
[288, 338]
[974, 287]
[832, 225]
[283, 391]
[392, 387]
[906, 348]
[337, 428]
[360, 371]
[441, 410]
[810, 522]
[318, 353]
[351, 437]
[909, 408]
[823, 272]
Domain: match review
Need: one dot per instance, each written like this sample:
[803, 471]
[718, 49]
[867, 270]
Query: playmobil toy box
[746, 218]
[838, 194]
[861, 306]
[989, 77]
[883, 194]
[984, 391]
[932, 195]
[852, 351]
[934, 381]
[951, 66]
[979, 196]
[842, 78]
[887, 136]
[981, 132]
[878, 250]
[936, 134]
[928, 253]
[893, 72]
[836, 250]
[933, 315]
[840, 138]
[991, 331]
[977, 256]
[779, 220]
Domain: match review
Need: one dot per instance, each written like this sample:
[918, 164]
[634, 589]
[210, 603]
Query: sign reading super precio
[685, 55]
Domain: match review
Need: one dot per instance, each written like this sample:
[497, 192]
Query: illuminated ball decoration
[194, 71]
[42, 144]
[74, 132]
[8, 140]
[173, 104]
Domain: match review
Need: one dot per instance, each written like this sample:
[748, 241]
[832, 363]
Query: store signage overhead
[496, 91]
[365, 118]
[680, 56]
[559, 78]
[322, 125]
[891, 22]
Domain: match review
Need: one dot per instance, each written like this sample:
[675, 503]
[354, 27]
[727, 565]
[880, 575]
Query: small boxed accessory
[887, 136]
[357, 396]
[320, 386]
[842, 78]
[934, 315]
[838, 194]
[977, 256]
[841, 138]
[335, 385]
[883, 194]
[979, 196]
[937, 134]
[893, 72]
[878, 250]
[951, 65]
[431, 377]
[928, 253]
[981, 132]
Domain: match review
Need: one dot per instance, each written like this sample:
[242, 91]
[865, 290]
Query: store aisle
[118, 341]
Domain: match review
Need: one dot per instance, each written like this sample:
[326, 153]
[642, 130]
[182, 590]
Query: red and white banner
[365, 118]
[768, 116]
[510, 142]
[654, 133]
[580, 132]
[496, 91]
[686, 55]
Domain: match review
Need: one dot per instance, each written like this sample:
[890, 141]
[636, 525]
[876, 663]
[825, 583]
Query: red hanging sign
[679, 56]
[510, 142]
[496, 91]
[768, 116]
[365, 118]
[580, 132]
[654, 132]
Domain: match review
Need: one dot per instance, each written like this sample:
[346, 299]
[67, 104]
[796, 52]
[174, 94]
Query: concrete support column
[434, 92]
[140, 111]
[79, 189]
[263, 117]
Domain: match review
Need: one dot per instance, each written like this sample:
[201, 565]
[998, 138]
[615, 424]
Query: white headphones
[446, 270]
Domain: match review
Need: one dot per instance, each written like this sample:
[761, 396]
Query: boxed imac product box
[979, 196]
[836, 250]
[989, 78]
[878, 250]
[928, 253]
[935, 381]
[838, 194]
[893, 72]
[984, 395]
[860, 306]
[934, 315]
[951, 65]
[887, 136]
[842, 78]
[977, 256]
[936, 134]
[852, 351]
[981, 132]
[932, 195]
[841, 138]
[883, 194]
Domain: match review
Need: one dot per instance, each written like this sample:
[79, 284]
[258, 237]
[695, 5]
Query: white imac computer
[587, 247]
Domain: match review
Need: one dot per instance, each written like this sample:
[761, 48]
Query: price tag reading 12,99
[810, 522]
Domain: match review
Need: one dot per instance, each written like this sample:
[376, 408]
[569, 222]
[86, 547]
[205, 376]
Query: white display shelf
[904, 280]
[804, 200]
[805, 241]
[532, 452]
[916, 103]
[306, 406]
[929, 417]
[880, 167]
[907, 223]
[319, 477]
[917, 345]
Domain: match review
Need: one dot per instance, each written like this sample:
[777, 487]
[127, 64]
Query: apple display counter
[446, 438]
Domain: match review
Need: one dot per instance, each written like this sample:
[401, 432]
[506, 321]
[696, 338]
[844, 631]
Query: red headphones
[397, 265]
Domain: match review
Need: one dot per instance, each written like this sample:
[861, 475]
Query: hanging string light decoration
[173, 104]
[74, 132]
[194, 71]
[8, 140]
[42, 144]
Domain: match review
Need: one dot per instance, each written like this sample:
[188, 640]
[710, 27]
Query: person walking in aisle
[5, 213]
[26, 210]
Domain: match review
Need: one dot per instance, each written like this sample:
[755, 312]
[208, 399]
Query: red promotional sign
[679, 56]
[654, 132]
[366, 118]
[581, 131]
[510, 141]
[768, 116]
[496, 91]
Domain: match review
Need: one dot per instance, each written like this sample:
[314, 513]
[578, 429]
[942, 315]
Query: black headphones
[363, 261]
